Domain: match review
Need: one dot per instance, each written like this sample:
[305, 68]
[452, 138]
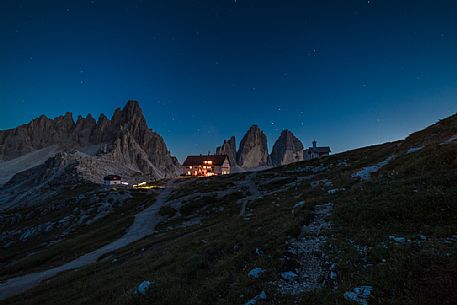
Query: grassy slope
[80, 241]
[208, 263]
[416, 195]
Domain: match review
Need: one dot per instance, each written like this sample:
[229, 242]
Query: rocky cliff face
[37, 134]
[287, 149]
[253, 151]
[125, 140]
[229, 149]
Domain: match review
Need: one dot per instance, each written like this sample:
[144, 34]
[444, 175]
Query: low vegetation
[79, 241]
[395, 232]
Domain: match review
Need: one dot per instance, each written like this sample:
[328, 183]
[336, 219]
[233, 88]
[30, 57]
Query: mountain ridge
[122, 145]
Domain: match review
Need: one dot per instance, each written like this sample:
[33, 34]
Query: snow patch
[452, 139]
[414, 149]
[365, 172]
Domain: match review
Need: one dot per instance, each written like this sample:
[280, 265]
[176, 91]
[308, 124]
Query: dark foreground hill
[376, 225]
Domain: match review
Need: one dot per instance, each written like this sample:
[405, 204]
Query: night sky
[346, 73]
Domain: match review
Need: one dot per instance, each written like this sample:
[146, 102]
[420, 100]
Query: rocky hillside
[376, 225]
[287, 149]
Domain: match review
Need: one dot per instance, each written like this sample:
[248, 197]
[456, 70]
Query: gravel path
[255, 193]
[143, 225]
[306, 252]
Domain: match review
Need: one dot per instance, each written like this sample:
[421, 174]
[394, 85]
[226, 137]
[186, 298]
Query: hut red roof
[217, 160]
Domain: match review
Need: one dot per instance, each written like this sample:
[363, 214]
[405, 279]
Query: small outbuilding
[111, 180]
[316, 152]
[206, 166]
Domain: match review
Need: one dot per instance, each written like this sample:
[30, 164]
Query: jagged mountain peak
[254, 128]
[287, 149]
[229, 149]
[132, 117]
[68, 115]
[253, 151]
[132, 106]
[102, 118]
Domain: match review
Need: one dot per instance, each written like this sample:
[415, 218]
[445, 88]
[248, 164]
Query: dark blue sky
[347, 73]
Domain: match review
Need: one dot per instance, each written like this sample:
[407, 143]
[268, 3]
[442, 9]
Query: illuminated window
[189, 173]
[210, 162]
[204, 166]
[190, 167]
